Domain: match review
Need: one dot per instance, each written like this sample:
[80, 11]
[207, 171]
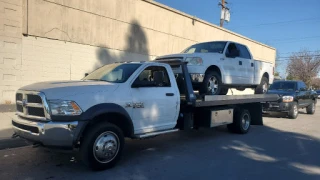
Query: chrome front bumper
[59, 134]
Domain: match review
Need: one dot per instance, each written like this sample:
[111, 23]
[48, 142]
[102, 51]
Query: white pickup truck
[219, 65]
[133, 100]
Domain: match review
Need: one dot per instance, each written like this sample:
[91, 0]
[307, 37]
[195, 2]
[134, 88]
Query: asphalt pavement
[281, 149]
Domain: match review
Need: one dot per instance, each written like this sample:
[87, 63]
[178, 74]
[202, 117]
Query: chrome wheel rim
[264, 87]
[295, 110]
[245, 121]
[106, 147]
[213, 85]
[313, 107]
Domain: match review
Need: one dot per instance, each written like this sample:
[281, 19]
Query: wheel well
[266, 75]
[114, 118]
[214, 68]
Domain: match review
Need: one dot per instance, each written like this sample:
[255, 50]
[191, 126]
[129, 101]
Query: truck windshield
[207, 47]
[288, 86]
[115, 73]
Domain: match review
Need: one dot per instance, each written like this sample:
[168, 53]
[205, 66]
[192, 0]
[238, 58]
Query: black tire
[212, 75]
[238, 126]
[101, 131]
[311, 108]
[294, 111]
[224, 91]
[260, 89]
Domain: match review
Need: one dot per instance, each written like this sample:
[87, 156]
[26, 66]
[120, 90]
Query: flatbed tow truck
[125, 100]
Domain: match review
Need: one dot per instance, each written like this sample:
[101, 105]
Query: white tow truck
[133, 100]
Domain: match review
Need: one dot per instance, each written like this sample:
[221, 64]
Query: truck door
[155, 101]
[231, 65]
[303, 94]
[246, 65]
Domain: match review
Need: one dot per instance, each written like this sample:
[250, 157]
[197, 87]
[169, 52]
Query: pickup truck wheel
[241, 121]
[212, 84]
[102, 146]
[294, 111]
[311, 108]
[262, 87]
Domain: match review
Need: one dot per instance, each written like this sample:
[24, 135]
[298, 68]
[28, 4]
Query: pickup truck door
[301, 94]
[246, 65]
[155, 102]
[231, 65]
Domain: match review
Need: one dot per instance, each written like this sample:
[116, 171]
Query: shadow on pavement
[264, 153]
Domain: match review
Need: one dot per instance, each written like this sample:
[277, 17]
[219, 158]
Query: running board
[156, 133]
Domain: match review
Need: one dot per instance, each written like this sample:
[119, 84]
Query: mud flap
[255, 110]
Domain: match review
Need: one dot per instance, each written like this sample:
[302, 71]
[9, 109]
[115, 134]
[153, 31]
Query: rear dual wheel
[241, 121]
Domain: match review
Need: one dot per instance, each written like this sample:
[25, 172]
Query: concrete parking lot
[281, 149]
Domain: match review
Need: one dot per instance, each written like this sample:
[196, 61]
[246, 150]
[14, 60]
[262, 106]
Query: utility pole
[222, 9]
[225, 15]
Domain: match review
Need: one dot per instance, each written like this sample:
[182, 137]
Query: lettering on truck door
[154, 100]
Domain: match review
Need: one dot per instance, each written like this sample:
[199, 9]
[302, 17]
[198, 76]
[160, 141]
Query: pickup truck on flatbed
[133, 100]
[219, 65]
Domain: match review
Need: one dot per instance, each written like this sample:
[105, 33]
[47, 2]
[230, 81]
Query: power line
[308, 37]
[282, 22]
[289, 58]
[296, 52]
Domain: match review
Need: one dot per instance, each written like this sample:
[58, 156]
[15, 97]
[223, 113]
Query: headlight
[194, 61]
[64, 108]
[287, 98]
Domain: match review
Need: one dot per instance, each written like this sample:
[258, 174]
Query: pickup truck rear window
[288, 86]
[115, 73]
[207, 47]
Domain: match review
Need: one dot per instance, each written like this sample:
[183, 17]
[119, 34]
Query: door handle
[169, 94]
[240, 62]
[251, 64]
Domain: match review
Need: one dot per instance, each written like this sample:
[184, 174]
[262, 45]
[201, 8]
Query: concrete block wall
[10, 48]
[63, 39]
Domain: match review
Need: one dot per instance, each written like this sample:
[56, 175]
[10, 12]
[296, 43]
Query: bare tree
[304, 65]
[315, 83]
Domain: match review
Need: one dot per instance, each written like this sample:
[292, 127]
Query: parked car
[219, 65]
[294, 95]
[318, 93]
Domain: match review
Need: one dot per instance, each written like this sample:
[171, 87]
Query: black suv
[293, 95]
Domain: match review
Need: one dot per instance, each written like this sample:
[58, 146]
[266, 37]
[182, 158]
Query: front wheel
[212, 85]
[294, 111]
[102, 146]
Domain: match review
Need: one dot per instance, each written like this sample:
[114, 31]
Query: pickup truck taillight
[273, 70]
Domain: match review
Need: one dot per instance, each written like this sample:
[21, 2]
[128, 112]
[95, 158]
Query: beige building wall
[63, 39]
[10, 48]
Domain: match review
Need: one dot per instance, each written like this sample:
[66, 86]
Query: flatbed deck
[219, 100]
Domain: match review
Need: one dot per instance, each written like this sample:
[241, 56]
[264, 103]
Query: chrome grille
[32, 105]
